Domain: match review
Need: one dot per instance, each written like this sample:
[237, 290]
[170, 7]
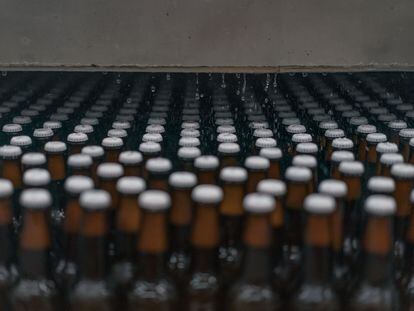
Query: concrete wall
[210, 35]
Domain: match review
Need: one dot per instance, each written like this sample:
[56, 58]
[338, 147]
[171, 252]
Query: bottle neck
[6, 231]
[71, 227]
[128, 222]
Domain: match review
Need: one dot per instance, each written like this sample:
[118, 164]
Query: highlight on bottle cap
[93, 150]
[122, 125]
[387, 147]
[228, 148]
[207, 194]
[274, 187]
[190, 125]
[190, 133]
[233, 174]
[117, 133]
[380, 205]
[79, 160]
[36, 177]
[351, 168]
[256, 163]
[130, 157]
[83, 128]
[6, 188]
[262, 133]
[182, 180]
[296, 129]
[381, 184]
[266, 143]
[407, 133]
[12, 128]
[90, 121]
[157, 138]
[9, 151]
[188, 153]
[319, 203]
[366, 129]
[305, 160]
[334, 133]
[154, 200]
[259, 203]
[149, 147]
[158, 165]
[397, 124]
[156, 121]
[302, 138]
[77, 137]
[226, 138]
[298, 174]
[333, 187]
[402, 170]
[110, 170]
[206, 162]
[95, 199]
[273, 153]
[342, 143]
[189, 142]
[21, 141]
[155, 129]
[54, 125]
[33, 159]
[376, 138]
[35, 198]
[391, 158]
[130, 185]
[76, 184]
[43, 133]
[310, 148]
[112, 142]
[328, 125]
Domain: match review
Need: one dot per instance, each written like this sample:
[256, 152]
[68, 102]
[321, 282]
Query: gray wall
[211, 35]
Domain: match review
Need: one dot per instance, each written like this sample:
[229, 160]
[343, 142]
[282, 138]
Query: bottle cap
[34, 198]
[266, 143]
[307, 148]
[387, 117]
[83, 128]
[318, 203]
[22, 120]
[259, 203]
[160, 121]
[189, 142]
[290, 121]
[182, 180]
[188, 153]
[302, 138]
[190, 125]
[21, 141]
[274, 187]
[407, 133]
[229, 148]
[397, 124]
[233, 174]
[381, 184]
[333, 187]
[157, 138]
[366, 129]
[130, 185]
[227, 138]
[117, 133]
[357, 121]
[380, 205]
[76, 184]
[376, 138]
[298, 174]
[42, 133]
[6, 188]
[33, 159]
[296, 129]
[150, 147]
[258, 124]
[206, 162]
[256, 163]
[36, 177]
[391, 158]
[77, 138]
[95, 199]
[262, 133]
[207, 194]
[190, 133]
[110, 170]
[305, 161]
[158, 165]
[154, 200]
[402, 170]
[387, 147]
[90, 121]
[351, 168]
[12, 128]
[52, 125]
[80, 160]
[93, 151]
[9, 151]
[334, 133]
[130, 157]
[112, 142]
[224, 121]
[121, 125]
[342, 143]
[273, 153]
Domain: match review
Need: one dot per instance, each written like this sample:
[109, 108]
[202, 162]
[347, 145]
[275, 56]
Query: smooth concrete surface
[207, 35]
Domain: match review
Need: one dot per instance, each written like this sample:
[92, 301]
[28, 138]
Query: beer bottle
[36, 178]
[383, 148]
[40, 137]
[323, 126]
[257, 168]
[186, 156]
[152, 289]
[362, 132]
[299, 139]
[55, 154]
[155, 129]
[206, 167]
[149, 150]
[180, 219]
[354, 122]
[233, 181]
[112, 147]
[80, 164]
[316, 290]
[56, 127]
[33, 160]
[9, 131]
[76, 141]
[154, 137]
[7, 267]
[11, 168]
[373, 139]
[228, 154]
[387, 160]
[97, 154]
[394, 127]
[91, 292]
[128, 224]
[132, 162]
[298, 187]
[35, 289]
[407, 280]
[253, 289]
[330, 135]
[404, 141]
[274, 155]
[202, 291]
[376, 266]
[86, 129]
[265, 143]
[67, 267]
[411, 151]
[341, 267]
[22, 141]
[381, 185]
[158, 171]
[310, 162]
[277, 189]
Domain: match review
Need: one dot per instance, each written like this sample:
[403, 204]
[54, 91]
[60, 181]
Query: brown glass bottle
[56, 162]
[35, 289]
[228, 154]
[91, 290]
[407, 277]
[316, 290]
[253, 288]
[79, 164]
[33, 160]
[10, 166]
[158, 170]
[186, 156]
[76, 141]
[132, 163]
[149, 150]
[257, 168]
[310, 162]
[375, 288]
[97, 154]
[128, 224]
[373, 139]
[202, 291]
[336, 158]
[113, 147]
[152, 289]
[180, 219]
[382, 149]
[206, 167]
[274, 155]
[404, 142]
